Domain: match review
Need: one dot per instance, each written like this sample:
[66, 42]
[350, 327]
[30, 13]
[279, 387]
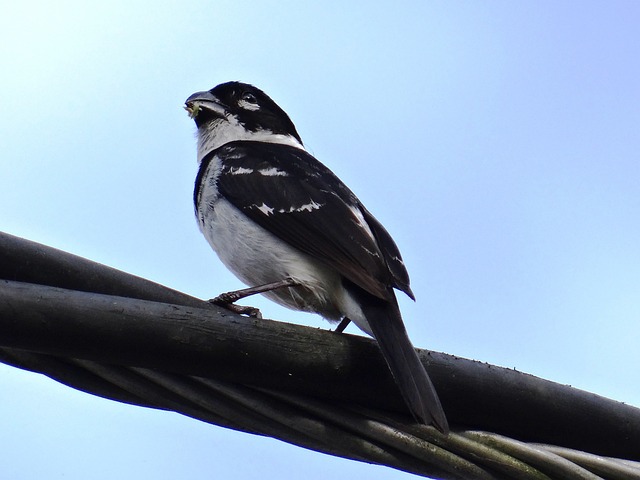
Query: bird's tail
[410, 375]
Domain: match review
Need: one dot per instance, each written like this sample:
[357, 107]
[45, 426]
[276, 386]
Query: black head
[241, 104]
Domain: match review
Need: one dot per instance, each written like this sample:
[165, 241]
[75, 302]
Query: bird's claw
[226, 300]
[227, 297]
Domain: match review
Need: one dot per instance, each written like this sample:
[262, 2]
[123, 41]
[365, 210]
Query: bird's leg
[343, 324]
[228, 299]
[231, 297]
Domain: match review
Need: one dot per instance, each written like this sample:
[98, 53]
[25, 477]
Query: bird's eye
[249, 98]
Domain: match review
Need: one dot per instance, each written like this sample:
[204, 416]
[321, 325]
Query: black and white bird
[284, 223]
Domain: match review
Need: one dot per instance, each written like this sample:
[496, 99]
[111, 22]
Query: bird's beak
[196, 103]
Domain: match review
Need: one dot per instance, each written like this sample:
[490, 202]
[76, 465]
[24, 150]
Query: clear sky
[498, 142]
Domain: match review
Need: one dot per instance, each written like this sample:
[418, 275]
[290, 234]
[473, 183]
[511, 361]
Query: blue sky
[497, 141]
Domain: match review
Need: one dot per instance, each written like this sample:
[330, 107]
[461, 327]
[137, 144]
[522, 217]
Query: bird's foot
[227, 300]
[222, 301]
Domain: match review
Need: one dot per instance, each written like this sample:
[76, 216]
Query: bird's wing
[292, 195]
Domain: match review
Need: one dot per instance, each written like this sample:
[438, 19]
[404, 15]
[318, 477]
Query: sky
[497, 141]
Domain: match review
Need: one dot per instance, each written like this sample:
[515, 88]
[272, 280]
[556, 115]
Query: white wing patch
[266, 172]
[273, 172]
[264, 208]
[240, 171]
[307, 207]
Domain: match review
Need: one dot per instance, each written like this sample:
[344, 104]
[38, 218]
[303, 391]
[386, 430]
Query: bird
[289, 228]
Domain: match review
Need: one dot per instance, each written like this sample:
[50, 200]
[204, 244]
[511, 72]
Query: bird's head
[238, 111]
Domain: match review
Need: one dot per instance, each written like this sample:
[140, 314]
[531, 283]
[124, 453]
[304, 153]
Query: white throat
[218, 132]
